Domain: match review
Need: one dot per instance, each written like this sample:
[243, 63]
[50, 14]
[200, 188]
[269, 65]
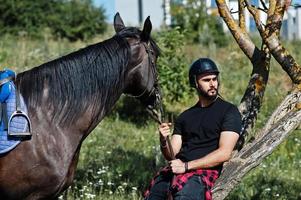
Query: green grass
[120, 156]
[278, 177]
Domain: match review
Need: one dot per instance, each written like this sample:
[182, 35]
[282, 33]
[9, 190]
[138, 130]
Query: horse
[67, 98]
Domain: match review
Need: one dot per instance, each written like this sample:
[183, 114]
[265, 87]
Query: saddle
[6, 88]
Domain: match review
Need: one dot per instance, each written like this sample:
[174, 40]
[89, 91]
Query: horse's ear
[118, 23]
[147, 28]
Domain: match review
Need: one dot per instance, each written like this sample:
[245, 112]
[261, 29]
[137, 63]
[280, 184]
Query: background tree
[198, 26]
[173, 66]
[71, 19]
[287, 116]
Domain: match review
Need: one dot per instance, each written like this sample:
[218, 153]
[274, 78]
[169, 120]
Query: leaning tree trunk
[286, 117]
[253, 153]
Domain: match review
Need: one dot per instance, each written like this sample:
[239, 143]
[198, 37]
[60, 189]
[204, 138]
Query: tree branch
[287, 105]
[243, 40]
[271, 38]
[253, 97]
[242, 19]
[253, 153]
[256, 15]
[263, 5]
[285, 119]
[260, 59]
[272, 6]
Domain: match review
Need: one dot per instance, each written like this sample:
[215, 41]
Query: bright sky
[109, 6]
[298, 2]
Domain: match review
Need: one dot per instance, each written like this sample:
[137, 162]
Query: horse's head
[141, 79]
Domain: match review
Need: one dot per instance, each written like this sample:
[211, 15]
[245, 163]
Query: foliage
[74, 19]
[278, 177]
[78, 20]
[173, 66]
[199, 26]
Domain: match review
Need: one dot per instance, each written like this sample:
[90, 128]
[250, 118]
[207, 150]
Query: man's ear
[118, 23]
[147, 28]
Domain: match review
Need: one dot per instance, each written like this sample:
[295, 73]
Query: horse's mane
[78, 80]
[81, 79]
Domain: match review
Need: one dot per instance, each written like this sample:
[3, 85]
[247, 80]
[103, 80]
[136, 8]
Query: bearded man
[203, 138]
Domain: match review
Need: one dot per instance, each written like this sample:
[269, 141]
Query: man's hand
[164, 130]
[177, 166]
[171, 149]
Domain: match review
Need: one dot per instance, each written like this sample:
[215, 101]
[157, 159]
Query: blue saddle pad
[18, 124]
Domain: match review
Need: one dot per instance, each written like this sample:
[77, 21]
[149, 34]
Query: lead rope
[159, 118]
[172, 155]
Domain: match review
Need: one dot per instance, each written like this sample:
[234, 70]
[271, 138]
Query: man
[203, 139]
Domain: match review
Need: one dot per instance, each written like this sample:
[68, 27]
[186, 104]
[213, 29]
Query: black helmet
[201, 66]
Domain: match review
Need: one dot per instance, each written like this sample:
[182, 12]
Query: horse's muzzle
[153, 99]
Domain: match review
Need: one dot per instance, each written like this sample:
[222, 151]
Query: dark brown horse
[66, 99]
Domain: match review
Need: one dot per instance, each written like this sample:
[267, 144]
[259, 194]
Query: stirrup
[19, 113]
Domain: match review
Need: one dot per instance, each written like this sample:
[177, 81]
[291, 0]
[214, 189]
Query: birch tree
[287, 116]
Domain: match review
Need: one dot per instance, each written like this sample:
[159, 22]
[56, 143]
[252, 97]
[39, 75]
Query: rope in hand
[159, 118]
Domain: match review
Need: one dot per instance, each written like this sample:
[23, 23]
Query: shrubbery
[173, 66]
[198, 25]
[72, 19]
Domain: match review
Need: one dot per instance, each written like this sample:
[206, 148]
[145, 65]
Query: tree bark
[286, 117]
[253, 153]
[260, 59]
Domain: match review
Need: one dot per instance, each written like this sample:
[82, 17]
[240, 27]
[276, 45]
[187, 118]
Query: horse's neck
[97, 115]
[70, 102]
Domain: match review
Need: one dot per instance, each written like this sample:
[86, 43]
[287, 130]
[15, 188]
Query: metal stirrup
[19, 113]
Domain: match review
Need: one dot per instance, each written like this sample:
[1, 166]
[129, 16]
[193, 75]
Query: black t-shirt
[200, 128]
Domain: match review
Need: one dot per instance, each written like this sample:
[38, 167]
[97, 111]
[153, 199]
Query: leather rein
[152, 68]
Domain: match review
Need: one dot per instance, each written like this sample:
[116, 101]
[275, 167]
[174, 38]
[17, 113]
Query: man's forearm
[213, 159]
[165, 149]
[227, 142]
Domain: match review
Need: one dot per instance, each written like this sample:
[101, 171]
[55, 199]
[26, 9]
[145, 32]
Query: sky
[298, 2]
[109, 6]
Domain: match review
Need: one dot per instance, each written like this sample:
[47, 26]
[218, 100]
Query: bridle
[151, 69]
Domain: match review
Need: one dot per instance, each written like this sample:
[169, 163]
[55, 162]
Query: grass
[278, 177]
[120, 156]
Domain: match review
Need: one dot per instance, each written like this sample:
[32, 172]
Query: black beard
[204, 94]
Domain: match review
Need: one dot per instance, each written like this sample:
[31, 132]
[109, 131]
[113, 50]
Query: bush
[173, 66]
[78, 20]
[74, 19]
[198, 25]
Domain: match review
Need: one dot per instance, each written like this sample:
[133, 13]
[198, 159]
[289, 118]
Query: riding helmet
[201, 66]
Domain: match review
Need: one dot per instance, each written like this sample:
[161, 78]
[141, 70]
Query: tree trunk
[286, 117]
[253, 153]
